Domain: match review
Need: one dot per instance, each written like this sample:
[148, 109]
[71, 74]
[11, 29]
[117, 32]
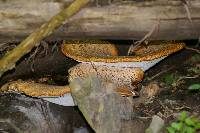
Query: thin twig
[193, 49]
[144, 118]
[95, 68]
[186, 6]
[188, 77]
[137, 43]
[158, 74]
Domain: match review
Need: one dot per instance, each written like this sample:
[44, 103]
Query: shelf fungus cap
[94, 51]
[144, 56]
[122, 77]
[85, 50]
[101, 58]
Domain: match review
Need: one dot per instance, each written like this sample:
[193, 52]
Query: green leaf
[177, 126]
[171, 130]
[169, 79]
[190, 130]
[195, 120]
[197, 126]
[184, 130]
[183, 116]
[194, 87]
[189, 122]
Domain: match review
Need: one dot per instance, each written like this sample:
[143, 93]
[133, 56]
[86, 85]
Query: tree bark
[165, 20]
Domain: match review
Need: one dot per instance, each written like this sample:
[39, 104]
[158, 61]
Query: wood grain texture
[120, 20]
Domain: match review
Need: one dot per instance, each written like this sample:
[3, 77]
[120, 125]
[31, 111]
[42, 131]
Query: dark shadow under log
[42, 61]
[167, 20]
[20, 113]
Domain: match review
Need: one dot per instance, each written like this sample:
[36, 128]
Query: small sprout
[185, 124]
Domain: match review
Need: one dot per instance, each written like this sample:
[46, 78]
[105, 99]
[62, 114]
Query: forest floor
[174, 77]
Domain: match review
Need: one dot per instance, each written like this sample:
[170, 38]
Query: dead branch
[9, 60]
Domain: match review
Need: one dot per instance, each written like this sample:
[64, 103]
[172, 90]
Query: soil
[174, 97]
[173, 76]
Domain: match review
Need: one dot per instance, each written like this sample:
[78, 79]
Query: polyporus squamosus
[102, 59]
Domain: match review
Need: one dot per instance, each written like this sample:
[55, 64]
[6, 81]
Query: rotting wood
[119, 20]
[33, 115]
[8, 61]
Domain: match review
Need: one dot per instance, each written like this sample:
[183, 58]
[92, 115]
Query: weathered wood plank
[119, 20]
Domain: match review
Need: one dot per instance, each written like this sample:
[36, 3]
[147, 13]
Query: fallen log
[20, 113]
[165, 20]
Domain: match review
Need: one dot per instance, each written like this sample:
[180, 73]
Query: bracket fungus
[102, 58]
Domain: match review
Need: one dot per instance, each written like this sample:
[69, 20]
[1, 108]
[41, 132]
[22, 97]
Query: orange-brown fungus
[89, 48]
[122, 77]
[85, 52]
[34, 89]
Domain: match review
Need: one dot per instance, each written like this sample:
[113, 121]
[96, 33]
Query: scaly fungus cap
[84, 49]
[102, 51]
